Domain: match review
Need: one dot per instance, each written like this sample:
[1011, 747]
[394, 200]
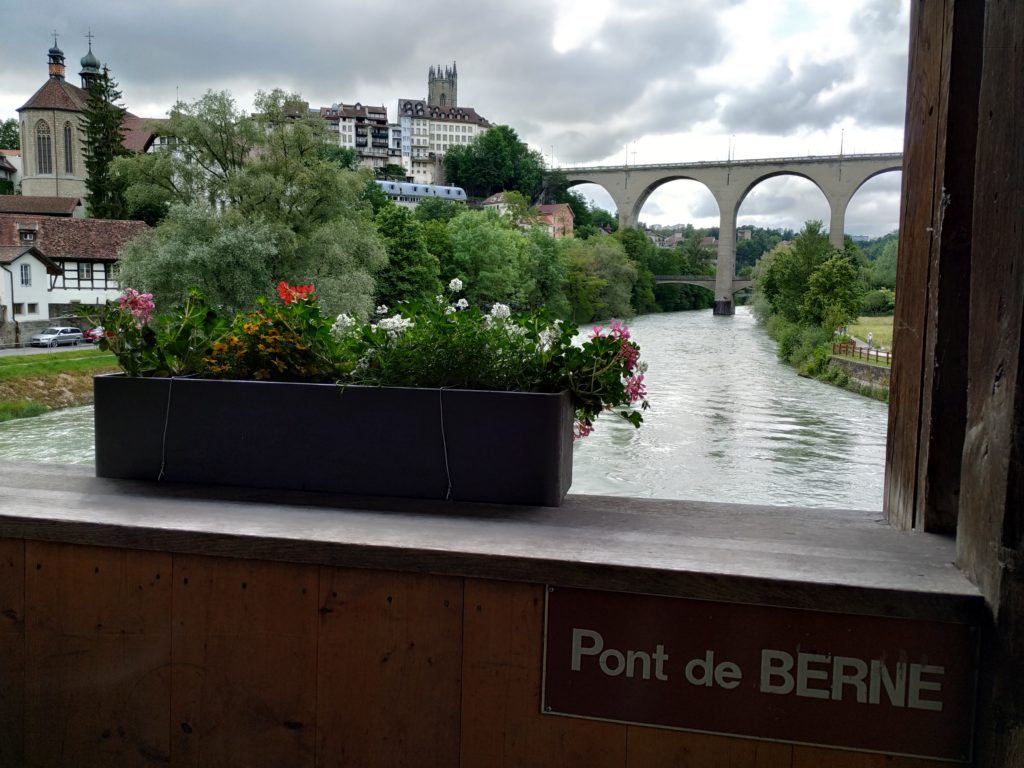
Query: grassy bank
[33, 384]
[879, 327]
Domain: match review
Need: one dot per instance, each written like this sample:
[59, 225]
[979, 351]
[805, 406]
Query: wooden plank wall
[928, 384]
[113, 657]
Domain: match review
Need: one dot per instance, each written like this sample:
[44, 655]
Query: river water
[728, 423]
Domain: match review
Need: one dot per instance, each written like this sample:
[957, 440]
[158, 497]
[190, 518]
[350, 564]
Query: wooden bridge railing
[851, 349]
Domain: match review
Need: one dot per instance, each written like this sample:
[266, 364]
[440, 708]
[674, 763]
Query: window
[44, 148]
[28, 235]
[19, 309]
[69, 150]
[26, 274]
[33, 309]
[85, 272]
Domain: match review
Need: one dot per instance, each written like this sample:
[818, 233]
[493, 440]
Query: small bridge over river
[703, 281]
[730, 181]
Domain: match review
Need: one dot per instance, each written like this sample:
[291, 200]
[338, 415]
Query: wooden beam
[990, 534]
[926, 422]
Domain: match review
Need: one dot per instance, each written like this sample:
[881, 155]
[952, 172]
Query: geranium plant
[441, 343]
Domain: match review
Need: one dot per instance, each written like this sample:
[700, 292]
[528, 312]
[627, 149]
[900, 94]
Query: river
[728, 422]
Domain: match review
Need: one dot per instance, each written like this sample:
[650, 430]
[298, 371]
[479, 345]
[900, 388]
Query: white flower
[382, 309]
[439, 299]
[449, 310]
[455, 285]
[500, 311]
[514, 331]
[394, 325]
[343, 324]
[462, 304]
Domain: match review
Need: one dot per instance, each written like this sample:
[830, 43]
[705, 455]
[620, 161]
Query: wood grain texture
[791, 557]
[502, 726]
[97, 662]
[943, 404]
[12, 652]
[817, 757]
[991, 533]
[390, 669]
[654, 748]
[244, 677]
[920, 147]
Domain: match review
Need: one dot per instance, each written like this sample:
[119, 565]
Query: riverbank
[32, 385]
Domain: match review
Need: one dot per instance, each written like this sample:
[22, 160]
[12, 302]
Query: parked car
[93, 334]
[56, 336]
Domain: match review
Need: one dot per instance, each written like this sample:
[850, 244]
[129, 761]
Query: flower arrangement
[443, 343]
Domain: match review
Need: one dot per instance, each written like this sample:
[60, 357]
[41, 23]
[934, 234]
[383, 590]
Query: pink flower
[635, 388]
[596, 331]
[620, 330]
[581, 429]
[631, 353]
[140, 305]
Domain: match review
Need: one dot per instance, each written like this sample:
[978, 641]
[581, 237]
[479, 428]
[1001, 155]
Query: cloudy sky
[582, 81]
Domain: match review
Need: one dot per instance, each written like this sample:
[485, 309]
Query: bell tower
[443, 87]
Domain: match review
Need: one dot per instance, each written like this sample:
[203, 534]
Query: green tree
[883, 268]
[437, 209]
[486, 257]
[412, 272]
[495, 161]
[103, 141]
[833, 294]
[390, 172]
[783, 279]
[10, 135]
[547, 268]
[265, 173]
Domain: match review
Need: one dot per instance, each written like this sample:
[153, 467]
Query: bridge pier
[724, 307]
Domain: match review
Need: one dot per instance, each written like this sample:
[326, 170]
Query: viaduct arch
[729, 181]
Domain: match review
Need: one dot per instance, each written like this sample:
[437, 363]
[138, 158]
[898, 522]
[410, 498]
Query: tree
[10, 136]
[103, 141]
[495, 161]
[783, 279]
[391, 172]
[486, 256]
[267, 173]
[834, 293]
[437, 209]
[412, 272]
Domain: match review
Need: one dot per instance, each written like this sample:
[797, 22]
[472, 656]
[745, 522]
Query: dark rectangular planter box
[506, 447]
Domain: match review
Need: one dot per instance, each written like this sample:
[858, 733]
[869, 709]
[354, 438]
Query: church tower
[90, 67]
[443, 87]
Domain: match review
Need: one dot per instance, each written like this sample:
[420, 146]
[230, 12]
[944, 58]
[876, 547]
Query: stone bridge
[704, 281]
[730, 181]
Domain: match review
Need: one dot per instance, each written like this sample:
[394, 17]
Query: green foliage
[54, 362]
[485, 256]
[881, 301]
[20, 409]
[412, 272]
[103, 141]
[833, 294]
[495, 161]
[883, 268]
[390, 172]
[252, 200]
[601, 278]
[174, 345]
[437, 209]
[10, 134]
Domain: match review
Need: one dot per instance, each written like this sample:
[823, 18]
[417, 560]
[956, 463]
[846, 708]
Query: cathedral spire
[90, 65]
[56, 60]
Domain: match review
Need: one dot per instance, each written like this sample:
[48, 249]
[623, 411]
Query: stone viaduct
[730, 181]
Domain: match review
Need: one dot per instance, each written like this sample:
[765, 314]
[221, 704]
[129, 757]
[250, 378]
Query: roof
[554, 208]
[498, 198]
[368, 112]
[57, 93]
[65, 238]
[420, 108]
[47, 206]
[139, 132]
[11, 253]
[10, 152]
[5, 165]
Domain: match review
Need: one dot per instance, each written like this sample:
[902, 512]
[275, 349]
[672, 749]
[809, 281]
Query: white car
[57, 336]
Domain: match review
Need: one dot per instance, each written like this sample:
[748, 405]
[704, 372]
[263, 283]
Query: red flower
[290, 293]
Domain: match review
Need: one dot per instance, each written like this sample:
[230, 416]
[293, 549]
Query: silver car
[57, 336]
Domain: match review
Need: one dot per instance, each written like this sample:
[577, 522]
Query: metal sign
[869, 683]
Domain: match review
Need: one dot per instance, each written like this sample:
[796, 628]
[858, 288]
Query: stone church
[52, 124]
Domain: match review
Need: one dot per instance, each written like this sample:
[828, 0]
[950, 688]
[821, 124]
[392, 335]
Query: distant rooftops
[420, 108]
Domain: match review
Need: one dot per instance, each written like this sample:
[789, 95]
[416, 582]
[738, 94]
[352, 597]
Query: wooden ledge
[822, 559]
